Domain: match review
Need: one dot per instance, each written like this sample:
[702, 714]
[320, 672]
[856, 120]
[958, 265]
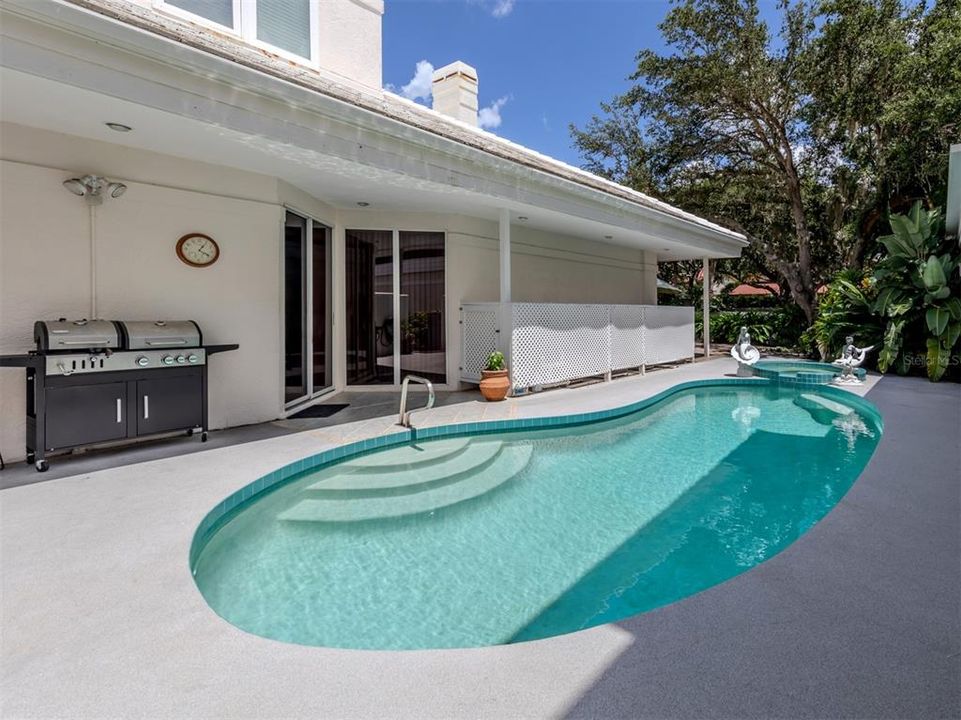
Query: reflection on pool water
[490, 539]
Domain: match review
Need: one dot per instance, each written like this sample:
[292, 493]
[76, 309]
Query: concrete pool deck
[858, 618]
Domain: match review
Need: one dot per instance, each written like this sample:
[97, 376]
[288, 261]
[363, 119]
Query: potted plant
[494, 378]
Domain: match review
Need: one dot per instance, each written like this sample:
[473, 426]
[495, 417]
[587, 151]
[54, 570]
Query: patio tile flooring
[100, 617]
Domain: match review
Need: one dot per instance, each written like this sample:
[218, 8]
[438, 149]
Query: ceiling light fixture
[608, 237]
[118, 127]
[93, 188]
[522, 217]
[363, 204]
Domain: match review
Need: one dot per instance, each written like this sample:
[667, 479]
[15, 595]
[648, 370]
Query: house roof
[384, 103]
[663, 286]
[770, 288]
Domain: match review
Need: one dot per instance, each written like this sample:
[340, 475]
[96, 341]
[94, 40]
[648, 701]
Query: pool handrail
[404, 415]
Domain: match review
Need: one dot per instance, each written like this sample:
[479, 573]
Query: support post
[706, 307]
[504, 237]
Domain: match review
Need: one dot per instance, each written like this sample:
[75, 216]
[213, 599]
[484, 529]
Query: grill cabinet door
[84, 414]
[172, 403]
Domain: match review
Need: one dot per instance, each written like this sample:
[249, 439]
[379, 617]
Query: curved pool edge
[225, 510]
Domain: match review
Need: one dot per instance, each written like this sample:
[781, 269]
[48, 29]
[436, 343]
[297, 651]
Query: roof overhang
[67, 69]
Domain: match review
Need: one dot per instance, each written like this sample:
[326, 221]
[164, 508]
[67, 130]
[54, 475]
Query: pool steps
[409, 457]
[465, 476]
[822, 409]
[400, 479]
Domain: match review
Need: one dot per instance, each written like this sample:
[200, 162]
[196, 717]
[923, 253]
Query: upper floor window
[284, 26]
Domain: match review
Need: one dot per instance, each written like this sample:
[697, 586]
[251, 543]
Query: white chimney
[455, 92]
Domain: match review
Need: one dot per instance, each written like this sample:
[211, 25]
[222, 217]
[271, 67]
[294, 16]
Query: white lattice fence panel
[479, 338]
[555, 342]
[627, 336]
[668, 333]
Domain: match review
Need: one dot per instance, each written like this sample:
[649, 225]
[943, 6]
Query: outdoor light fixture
[119, 127]
[522, 217]
[93, 188]
[363, 204]
[608, 237]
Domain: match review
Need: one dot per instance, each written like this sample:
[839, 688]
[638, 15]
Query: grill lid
[73, 335]
[160, 334]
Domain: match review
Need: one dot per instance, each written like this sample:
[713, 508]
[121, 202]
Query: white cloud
[419, 87]
[490, 117]
[497, 8]
[502, 8]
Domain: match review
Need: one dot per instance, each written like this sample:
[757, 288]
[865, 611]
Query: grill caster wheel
[31, 458]
[203, 436]
[41, 465]
[190, 432]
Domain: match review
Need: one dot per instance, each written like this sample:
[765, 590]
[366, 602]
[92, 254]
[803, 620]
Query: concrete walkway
[859, 618]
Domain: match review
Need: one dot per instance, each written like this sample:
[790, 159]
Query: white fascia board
[116, 59]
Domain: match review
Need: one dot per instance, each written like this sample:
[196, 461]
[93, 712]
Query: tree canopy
[804, 136]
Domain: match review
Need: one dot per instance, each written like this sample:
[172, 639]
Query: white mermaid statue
[745, 353]
[851, 358]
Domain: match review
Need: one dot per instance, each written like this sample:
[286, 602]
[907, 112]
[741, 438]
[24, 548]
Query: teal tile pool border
[221, 513]
[817, 374]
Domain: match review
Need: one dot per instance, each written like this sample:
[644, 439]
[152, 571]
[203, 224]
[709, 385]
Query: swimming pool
[800, 372]
[502, 537]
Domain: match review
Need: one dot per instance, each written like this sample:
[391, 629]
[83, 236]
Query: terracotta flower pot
[494, 384]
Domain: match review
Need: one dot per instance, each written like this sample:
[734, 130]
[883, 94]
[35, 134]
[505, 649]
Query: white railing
[549, 343]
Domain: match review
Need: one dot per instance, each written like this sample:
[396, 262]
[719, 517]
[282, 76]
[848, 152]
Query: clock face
[198, 250]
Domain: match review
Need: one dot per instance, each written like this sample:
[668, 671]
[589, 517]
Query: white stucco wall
[348, 36]
[45, 256]
[350, 39]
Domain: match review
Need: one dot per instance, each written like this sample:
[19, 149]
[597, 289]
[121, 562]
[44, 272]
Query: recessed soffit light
[118, 127]
[363, 204]
[522, 217]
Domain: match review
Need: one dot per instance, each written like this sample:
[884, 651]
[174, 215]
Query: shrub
[917, 294]
[845, 309]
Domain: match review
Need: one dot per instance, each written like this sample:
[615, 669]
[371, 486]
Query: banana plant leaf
[933, 274]
[938, 358]
[937, 320]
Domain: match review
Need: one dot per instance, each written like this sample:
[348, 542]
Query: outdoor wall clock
[198, 250]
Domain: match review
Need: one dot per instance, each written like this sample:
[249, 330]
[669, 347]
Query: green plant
[495, 361]
[846, 308]
[726, 325]
[917, 292]
[413, 330]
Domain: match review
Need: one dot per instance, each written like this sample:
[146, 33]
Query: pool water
[489, 539]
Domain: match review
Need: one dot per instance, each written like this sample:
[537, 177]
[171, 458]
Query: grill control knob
[142, 361]
[192, 358]
[167, 360]
[181, 359]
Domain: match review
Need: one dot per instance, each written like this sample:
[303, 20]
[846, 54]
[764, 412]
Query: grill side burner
[91, 382]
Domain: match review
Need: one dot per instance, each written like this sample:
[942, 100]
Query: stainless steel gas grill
[98, 381]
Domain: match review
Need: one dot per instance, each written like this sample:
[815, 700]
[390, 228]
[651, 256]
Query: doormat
[318, 411]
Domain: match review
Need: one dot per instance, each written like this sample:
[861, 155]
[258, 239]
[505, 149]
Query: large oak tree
[800, 138]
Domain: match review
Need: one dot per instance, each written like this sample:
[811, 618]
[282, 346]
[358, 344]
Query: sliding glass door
[307, 308]
[395, 286]
[422, 295]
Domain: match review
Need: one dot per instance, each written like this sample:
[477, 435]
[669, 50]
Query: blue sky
[548, 62]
